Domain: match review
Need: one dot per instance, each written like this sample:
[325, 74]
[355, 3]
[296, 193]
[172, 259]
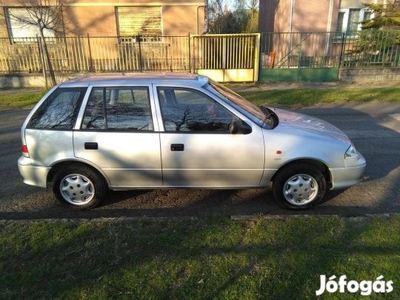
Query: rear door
[117, 135]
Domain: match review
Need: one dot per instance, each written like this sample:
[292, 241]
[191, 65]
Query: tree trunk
[47, 55]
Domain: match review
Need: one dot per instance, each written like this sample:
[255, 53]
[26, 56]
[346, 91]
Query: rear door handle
[91, 146]
[177, 147]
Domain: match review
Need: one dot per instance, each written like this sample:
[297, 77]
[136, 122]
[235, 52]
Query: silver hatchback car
[152, 131]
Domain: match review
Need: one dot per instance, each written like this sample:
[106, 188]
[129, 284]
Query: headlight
[351, 153]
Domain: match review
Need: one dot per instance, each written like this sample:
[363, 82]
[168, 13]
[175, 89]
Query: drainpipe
[329, 27]
[197, 19]
[290, 25]
[330, 13]
[291, 16]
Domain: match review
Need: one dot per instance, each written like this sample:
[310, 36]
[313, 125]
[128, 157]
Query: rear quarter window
[59, 110]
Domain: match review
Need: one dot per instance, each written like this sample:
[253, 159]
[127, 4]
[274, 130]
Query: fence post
[341, 58]
[299, 56]
[139, 40]
[257, 57]
[189, 54]
[91, 69]
[342, 50]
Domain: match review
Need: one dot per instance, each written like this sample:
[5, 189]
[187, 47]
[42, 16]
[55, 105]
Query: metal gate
[226, 58]
[300, 56]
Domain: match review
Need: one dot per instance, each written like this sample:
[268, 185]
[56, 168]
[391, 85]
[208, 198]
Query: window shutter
[139, 20]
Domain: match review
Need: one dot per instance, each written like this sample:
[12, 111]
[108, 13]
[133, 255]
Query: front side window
[187, 110]
[255, 113]
[59, 110]
[118, 108]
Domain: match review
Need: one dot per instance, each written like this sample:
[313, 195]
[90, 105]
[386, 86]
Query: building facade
[108, 18]
[313, 15]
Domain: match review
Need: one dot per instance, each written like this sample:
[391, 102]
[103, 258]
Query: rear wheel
[299, 186]
[79, 187]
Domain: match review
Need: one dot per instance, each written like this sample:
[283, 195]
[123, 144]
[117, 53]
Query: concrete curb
[234, 218]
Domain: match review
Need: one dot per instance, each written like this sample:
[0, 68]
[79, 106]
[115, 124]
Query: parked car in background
[153, 131]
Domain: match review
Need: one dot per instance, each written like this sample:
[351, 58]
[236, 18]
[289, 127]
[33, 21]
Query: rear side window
[59, 110]
[118, 108]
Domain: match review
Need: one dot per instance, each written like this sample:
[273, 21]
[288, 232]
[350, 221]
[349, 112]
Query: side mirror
[239, 127]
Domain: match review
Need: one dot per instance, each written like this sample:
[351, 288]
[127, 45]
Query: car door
[197, 147]
[117, 136]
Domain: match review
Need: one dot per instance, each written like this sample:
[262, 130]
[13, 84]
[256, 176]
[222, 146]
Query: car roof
[122, 79]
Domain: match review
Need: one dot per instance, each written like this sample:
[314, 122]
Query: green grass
[197, 259]
[283, 98]
[26, 99]
[309, 97]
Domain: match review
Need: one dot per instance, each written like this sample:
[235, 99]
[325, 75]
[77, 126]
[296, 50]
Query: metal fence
[371, 48]
[96, 54]
[292, 50]
[330, 49]
[192, 52]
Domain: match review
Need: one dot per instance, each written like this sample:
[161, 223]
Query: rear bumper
[32, 175]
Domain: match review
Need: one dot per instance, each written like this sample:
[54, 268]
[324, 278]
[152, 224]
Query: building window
[143, 21]
[349, 21]
[21, 26]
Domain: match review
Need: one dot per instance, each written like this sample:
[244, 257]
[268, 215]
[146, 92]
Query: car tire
[299, 186]
[79, 187]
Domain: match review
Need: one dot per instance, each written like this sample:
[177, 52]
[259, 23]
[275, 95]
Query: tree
[386, 16]
[239, 17]
[45, 15]
[249, 10]
[379, 39]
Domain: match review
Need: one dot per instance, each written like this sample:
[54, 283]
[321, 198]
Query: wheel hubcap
[77, 189]
[300, 189]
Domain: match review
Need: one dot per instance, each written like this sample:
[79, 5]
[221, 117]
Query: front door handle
[177, 147]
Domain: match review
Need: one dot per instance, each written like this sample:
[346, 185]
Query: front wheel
[79, 187]
[299, 186]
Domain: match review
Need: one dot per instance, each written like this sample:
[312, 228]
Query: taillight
[25, 151]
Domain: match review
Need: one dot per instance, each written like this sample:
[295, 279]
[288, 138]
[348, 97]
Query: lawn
[24, 99]
[284, 98]
[308, 97]
[216, 258]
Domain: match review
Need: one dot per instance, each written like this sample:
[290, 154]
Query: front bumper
[348, 176]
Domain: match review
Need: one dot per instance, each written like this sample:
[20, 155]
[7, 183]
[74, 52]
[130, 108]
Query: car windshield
[257, 114]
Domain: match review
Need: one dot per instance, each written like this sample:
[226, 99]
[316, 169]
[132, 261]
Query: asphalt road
[374, 128]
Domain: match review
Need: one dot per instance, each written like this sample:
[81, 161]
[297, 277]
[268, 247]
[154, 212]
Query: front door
[197, 147]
